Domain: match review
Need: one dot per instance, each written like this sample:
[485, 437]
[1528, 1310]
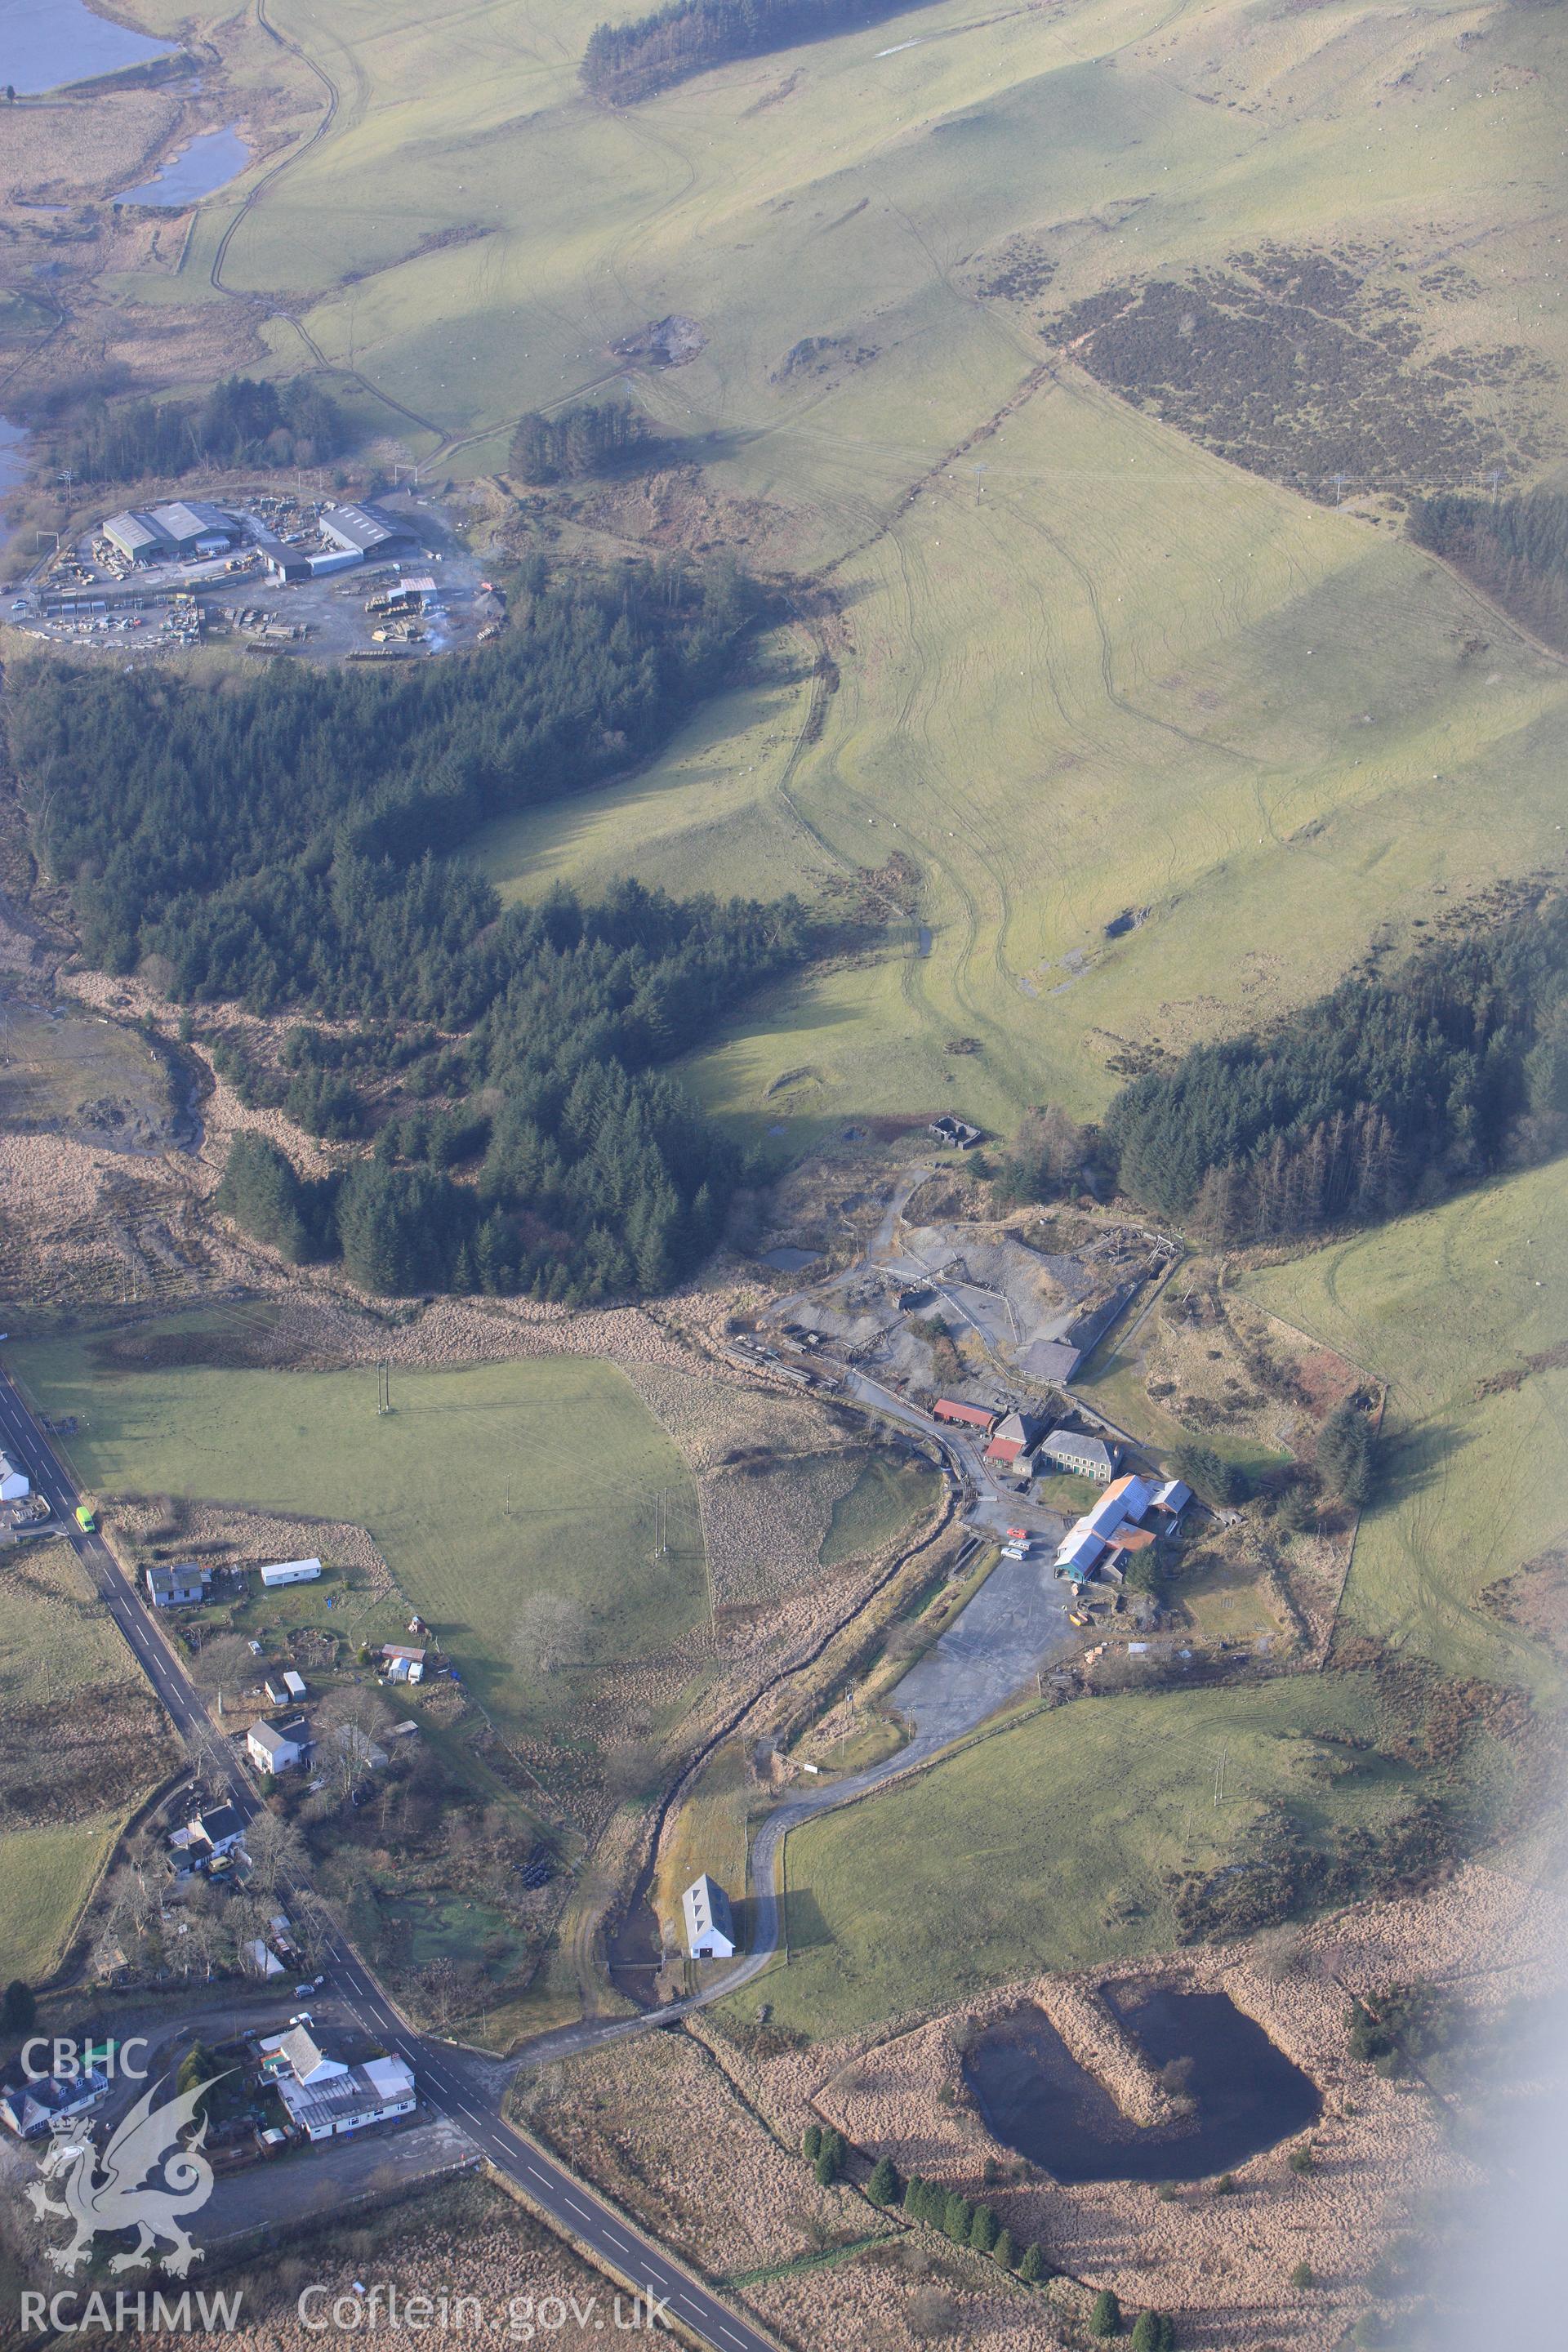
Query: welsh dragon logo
[146, 2182]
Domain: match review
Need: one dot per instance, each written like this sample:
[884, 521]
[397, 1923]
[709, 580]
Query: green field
[1090, 668]
[66, 1748]
[1046, 1846]
[484, 1488]
[46, 1877]
[1474, 1485]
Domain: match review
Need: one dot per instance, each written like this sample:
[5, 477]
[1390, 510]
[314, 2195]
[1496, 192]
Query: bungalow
[964, 1416]
[709, 1928]
[34, 2106]
[14, 1482]
[327, 2099]
[1090, 1457]
[277, 1747]
[177, 1587]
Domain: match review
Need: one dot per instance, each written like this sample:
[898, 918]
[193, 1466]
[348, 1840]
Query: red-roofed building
[965, 1416]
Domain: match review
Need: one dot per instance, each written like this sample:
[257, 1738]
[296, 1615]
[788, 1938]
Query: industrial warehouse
[275, 573]
[186, 529]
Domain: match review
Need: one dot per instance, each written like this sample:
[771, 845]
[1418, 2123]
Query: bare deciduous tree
[276, 1851]
[550, 1629]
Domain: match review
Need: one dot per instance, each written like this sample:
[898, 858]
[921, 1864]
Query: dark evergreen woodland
[240, 422]
[1389, 1091]
[1515, 548]
[625, 62]
[286, 840]
[593, 437]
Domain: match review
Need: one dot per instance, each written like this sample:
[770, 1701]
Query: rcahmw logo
[69, 2313]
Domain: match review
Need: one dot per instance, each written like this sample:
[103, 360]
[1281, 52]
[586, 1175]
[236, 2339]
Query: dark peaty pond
[1037, 2098]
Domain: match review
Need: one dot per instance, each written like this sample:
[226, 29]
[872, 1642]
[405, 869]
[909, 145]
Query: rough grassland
[55, 1644]
[1475, 1486]
[482, 1487]
[885, 1496]
[1105, 673]
[46, 1877]
[1046, 1846]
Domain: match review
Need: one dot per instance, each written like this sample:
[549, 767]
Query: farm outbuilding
[365, 531]
[964, 1416]
[1012, 1440]
[709, 1926]
[290, 1571]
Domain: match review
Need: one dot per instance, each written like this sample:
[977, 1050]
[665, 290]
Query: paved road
[455, 2083]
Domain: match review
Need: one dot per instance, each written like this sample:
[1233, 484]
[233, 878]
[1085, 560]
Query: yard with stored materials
[1048, 1845]
[515, 1504]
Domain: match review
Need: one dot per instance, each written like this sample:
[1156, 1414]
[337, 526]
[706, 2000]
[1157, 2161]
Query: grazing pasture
[81, 1740]
[1164, 743]
[1461, 1311]
[485, 1489]
[46, 1877]
[1047, 1846]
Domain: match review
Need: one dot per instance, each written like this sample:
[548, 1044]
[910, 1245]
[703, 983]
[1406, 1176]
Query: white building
[327, 2099]
[290, 1571]
[14, 1482]
[278, 1746]
[709, 1929]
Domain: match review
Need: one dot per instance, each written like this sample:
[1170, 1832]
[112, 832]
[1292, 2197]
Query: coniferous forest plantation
[292, 843]
[625, 62]
[1389, 1092]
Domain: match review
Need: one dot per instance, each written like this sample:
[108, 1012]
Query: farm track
[334, 96]
[215, 273]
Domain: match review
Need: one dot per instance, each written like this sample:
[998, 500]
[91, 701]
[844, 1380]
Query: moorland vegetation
[1299, 364]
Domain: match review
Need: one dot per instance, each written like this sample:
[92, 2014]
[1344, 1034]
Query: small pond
[1038, 2099]
[788, 1259]
[45, 44]
[211, 161]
